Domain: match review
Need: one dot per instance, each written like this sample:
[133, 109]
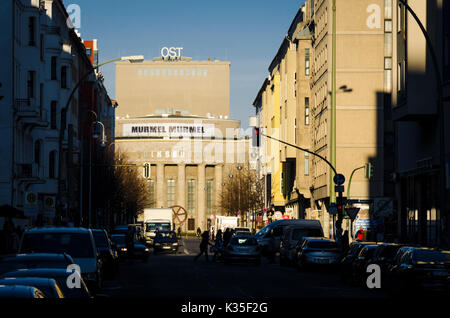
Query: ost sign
[171, 52]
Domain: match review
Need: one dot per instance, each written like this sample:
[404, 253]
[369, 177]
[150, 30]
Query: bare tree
[243, 192]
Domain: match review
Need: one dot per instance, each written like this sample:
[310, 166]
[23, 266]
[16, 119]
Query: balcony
[29, 115]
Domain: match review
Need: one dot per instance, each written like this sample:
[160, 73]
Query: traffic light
[256, 137]
[146, 170]
[369, 170]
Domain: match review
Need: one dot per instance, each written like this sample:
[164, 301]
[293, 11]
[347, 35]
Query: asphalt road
[178, 276]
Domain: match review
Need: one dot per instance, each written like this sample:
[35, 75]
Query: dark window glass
[53, 68]
[318, 244]
[31, 84]
[37, 152]
[52, 165]
[64, 77]
[42, 47]
[100, 239]
[31, 31]
[53, 115]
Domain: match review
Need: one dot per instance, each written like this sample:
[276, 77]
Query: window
[170, 192]
[42, 47]
[52, 165]
[41, 96]
[295, 130]
[53, 68]
[30, 84]
[37, 152]
[307, 62]
[53, 115]
[88, 51]
[191, 197]
[306, 164]
[64, 77]
[306, 111]
[31, 31]
[209, 194]
[151, 193]
[295, 84]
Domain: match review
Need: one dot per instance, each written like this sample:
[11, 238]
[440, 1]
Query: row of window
[172, 71]
[191, 194]
[51, 159]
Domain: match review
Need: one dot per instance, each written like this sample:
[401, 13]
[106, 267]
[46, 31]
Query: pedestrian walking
[179, 232]
[226, 237]
[203, 246]
[199, 231]
[360, 234]
[379, 232]
[345, 243]
[219, 245]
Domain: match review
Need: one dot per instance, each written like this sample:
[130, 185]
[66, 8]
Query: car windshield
[100, 239]
[431, 256]
[118, 239]
[263, 231]
[77, 245]
[244, 241]
[298, 234]
[320, 244]
[152, 226]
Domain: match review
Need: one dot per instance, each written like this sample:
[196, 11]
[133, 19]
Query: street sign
[352, 212]
[339, 188]
[332, 209]
[339, 179]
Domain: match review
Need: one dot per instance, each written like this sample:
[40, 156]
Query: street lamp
[131, 59]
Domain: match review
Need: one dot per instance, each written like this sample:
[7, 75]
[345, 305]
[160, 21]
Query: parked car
[242, 230]
[19, 291]
[34, 260]
[347, 261]
[242, 248]
[48, 286]
[59, 275]
[77, 242]
[140, 250]
[108, 254]
[383, 256]
[165, 241]
[138, 231]
[360, 263]
[269, 237]
[292, 239]
[317, 251]
[420, 268]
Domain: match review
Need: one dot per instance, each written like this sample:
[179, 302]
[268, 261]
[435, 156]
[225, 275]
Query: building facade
[295, 102]
[173, 115]
[42, 61]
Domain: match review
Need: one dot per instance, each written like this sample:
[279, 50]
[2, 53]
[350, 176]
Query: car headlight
[123, 249]
[175, 244]
[157, 244]
[146, 249]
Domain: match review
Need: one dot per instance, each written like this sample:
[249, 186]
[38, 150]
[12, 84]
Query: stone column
[218, 171]
[160, 185]
[201, 202]
[181, 200]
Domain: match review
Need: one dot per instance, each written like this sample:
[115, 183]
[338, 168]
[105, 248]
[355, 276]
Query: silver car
[318, 251]
[243, 248]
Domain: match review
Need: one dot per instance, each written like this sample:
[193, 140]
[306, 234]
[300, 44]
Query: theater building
[174, 115]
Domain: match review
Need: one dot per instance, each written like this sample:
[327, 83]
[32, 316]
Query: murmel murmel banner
[168, 130]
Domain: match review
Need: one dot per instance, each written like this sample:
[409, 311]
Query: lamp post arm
[305, 150]
[350, 181]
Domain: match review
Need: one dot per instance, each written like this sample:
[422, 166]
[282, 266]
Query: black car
[59, 275]
[347, 261]
[318, 251]
[140, 250]
[34, 260]
[359, 265]
[420, 268]
[165, 241]
[383, 256]
[108, 253]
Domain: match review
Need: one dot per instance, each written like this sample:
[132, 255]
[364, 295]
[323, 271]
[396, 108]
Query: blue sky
[247, 33]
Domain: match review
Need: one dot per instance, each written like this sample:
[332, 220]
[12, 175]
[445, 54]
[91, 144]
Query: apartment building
[305, 58]
[42, 60]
